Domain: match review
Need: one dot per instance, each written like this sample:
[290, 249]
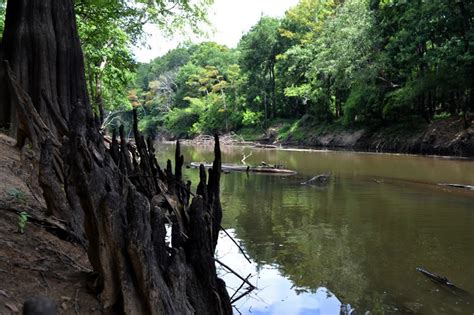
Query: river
[353, 244]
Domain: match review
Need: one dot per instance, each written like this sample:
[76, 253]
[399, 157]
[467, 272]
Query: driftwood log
[266, 169]
[115, 199]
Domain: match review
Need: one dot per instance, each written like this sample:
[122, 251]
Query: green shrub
[251, 118]
[362, 104]
[179, 121]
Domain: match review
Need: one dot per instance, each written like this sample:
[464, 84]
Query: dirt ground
[36, 262]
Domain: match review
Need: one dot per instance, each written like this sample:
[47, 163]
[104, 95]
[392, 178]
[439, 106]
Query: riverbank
[445, 137]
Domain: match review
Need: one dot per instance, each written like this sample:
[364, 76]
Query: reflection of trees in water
[359, 239]
[287, 228]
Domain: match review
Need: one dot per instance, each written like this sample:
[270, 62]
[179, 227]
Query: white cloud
[231, 19]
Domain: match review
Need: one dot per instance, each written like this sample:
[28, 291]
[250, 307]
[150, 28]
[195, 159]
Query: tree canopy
[368, 62]
[109, 29]
[354, 62]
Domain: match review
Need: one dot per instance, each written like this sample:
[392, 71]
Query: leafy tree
[109, 64]
[307, 87]
[344, 61]
[170, 62]
[108, 29]
[193, 89]
[369, 62]
[259, 52]
[427, 55]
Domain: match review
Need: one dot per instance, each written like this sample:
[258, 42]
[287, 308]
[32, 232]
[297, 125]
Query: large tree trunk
[117, 198]
[41, 43]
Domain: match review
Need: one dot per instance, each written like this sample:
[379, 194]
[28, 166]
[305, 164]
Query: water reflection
[361, 237]
[275, 294]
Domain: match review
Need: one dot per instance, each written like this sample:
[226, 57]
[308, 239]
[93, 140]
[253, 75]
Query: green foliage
[302, 91]
[258, 56]
[355, 61]
[213, 115]
[250, 118]
[399, 102]
[192, 89]
[362, 105]
[336, 63]
[109, 28]
[132, 15]
[109, 63]
[22, 220]
[3, 5]
[169, 63]
[250, 133]
[442, 116]
[181, 120]
[292, 129]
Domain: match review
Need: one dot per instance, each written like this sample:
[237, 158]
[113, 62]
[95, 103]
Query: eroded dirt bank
[445, 137]
[40, 261]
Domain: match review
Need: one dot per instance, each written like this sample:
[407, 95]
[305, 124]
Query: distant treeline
[367, 62]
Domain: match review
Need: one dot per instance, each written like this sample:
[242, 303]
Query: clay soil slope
[41, 261]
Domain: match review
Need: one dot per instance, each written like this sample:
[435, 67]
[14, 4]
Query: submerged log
[440, 280]
[246, 168]
[319, 180]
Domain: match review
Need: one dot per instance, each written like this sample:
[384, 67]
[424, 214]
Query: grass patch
[441, 116]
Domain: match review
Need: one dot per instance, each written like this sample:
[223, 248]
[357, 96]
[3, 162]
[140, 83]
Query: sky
[230, 19]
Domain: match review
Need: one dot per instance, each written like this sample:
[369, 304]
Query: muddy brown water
[354, 244]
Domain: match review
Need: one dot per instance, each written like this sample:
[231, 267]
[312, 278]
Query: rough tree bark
[116, 198]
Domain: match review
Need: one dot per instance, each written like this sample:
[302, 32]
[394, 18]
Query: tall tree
[300, 32]
[108, 30]
[258, 59]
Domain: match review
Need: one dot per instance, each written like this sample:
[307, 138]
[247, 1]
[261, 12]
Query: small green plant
[22, 220]
[17, 194]
[441, 116]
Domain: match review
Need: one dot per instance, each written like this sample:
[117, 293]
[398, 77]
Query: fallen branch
[245, 156]
[265, 146]
[235, 242]
[240, 287]
[264, 168]
[249, 290]
[235, 273]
